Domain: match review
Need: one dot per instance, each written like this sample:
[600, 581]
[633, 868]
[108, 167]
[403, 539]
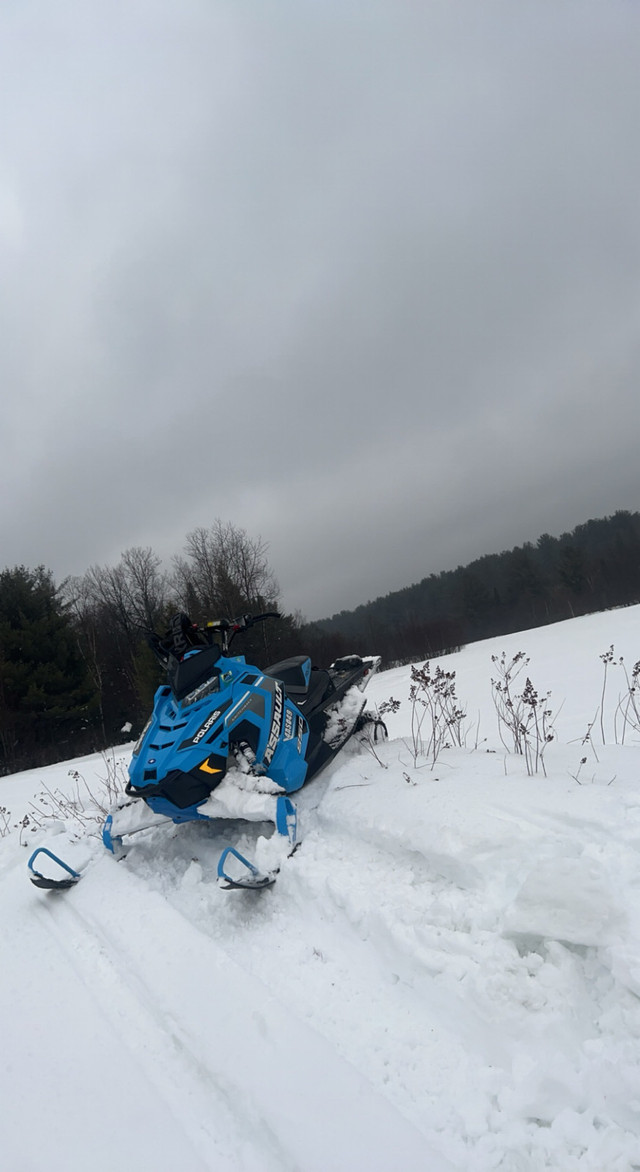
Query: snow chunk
[343, 716]
[565, 899]
[241, 795]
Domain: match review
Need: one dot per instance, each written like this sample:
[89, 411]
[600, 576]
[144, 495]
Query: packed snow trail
[76, 1090]
[201, 1065]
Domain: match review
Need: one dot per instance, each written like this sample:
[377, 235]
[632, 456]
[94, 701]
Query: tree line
[76, 672]
[594, 567]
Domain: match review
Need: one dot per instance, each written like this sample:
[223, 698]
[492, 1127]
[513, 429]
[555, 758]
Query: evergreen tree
[571, 569]
[47, 702]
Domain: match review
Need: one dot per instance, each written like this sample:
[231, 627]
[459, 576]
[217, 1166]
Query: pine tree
[47, 702]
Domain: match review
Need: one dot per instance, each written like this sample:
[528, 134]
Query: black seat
[290, 672]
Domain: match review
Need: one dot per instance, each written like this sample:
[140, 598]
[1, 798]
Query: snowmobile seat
[293, 673]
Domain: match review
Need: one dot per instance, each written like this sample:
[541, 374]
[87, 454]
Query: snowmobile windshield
[190, 679]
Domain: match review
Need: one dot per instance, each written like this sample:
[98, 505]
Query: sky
[362, 278]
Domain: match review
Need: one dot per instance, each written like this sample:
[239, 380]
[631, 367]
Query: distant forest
[593, 568]
[76, 673]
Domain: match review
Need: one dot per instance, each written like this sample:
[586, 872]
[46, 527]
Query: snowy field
[446, 974]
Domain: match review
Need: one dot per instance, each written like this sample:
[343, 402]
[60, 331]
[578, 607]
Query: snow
[446, 974]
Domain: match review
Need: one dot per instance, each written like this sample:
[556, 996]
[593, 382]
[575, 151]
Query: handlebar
[184, 635]
[232, 627]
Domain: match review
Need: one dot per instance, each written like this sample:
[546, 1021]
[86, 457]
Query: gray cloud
[361, 278]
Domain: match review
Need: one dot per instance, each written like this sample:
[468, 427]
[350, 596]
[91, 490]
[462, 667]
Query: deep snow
[445, 975]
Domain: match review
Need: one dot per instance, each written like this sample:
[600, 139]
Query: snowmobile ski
[45, 881]
[110, 840]
[287, 820]
[252, 879]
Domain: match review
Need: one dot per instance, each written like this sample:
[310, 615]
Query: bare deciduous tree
[111, 608]
[85, 615]
[134, 592]
[223, 572]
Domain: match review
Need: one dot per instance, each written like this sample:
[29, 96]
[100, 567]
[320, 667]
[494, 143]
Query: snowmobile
[229, 740]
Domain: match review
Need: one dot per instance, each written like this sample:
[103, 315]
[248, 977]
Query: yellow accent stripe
[206, 768]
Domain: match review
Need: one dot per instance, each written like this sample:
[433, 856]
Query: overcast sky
[360, 277]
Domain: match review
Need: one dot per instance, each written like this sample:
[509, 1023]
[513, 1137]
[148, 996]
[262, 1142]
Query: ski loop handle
[41, 880]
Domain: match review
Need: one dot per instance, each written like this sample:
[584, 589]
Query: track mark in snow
[213, 1126]
[227, 1030]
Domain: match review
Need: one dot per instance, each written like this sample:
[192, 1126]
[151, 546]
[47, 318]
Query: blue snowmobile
[229, 740]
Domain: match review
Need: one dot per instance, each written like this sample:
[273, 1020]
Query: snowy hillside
[446, 974]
